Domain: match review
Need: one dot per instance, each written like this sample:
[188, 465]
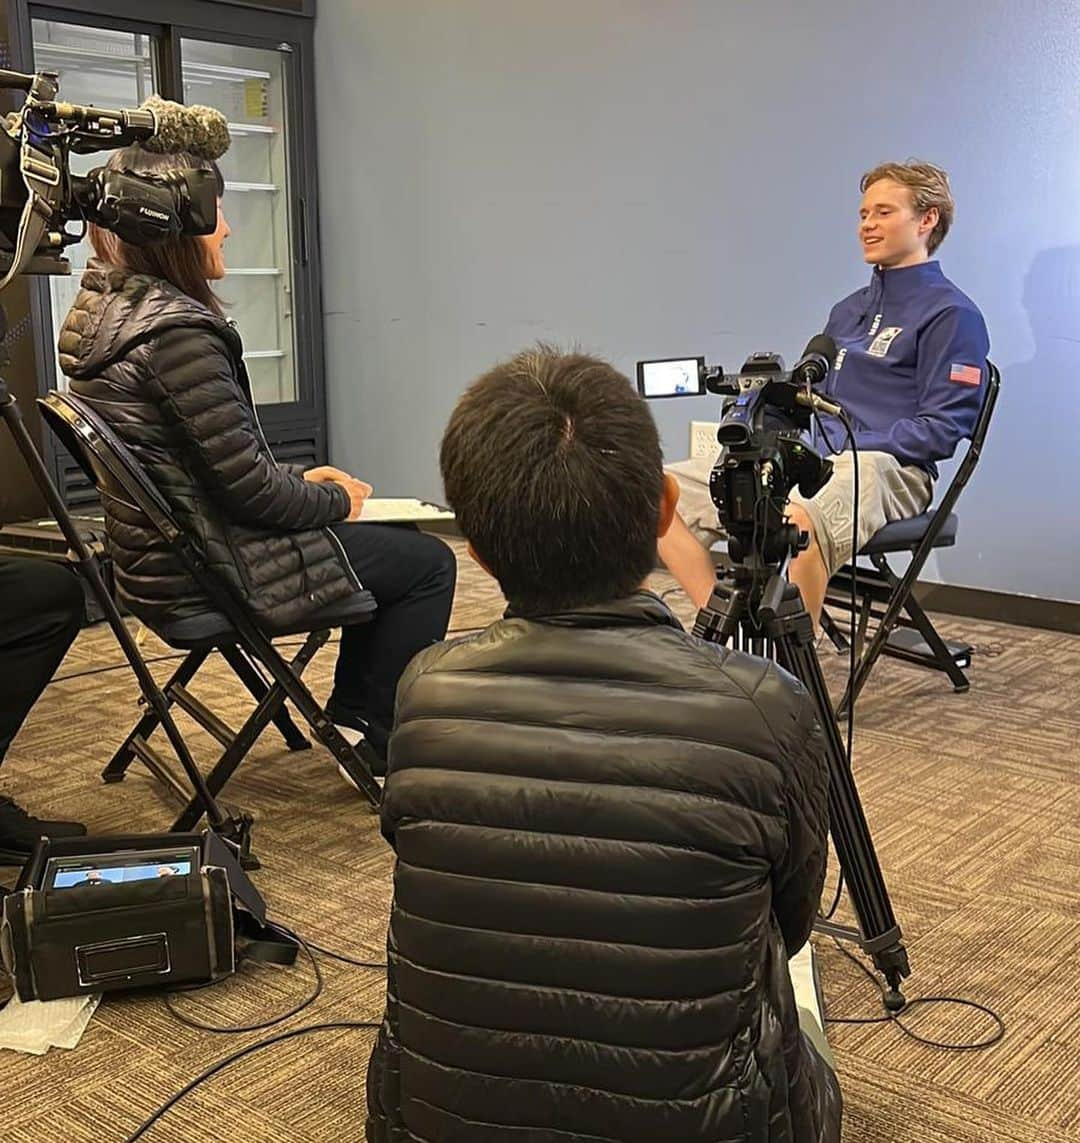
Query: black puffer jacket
[609, 835]
[168, 376]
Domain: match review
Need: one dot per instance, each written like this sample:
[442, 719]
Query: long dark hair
[181, 261]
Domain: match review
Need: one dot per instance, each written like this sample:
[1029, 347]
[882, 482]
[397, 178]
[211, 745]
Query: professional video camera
[765, 453]
[764, 456]
[39, 195]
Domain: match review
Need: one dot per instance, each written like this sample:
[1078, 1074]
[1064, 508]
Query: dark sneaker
[359, 732]
[19, 832]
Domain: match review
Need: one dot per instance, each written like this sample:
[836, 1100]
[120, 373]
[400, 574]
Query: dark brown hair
[552, 464]
[181, 261]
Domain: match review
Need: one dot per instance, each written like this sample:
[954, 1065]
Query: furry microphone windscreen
[200, 131]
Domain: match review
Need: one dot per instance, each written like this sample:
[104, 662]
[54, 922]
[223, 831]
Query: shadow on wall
[1018, 518]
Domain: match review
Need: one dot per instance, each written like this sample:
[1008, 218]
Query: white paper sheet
[38, 1025]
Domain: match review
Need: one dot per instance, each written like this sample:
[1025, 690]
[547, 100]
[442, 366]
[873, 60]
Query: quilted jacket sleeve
[193, 380]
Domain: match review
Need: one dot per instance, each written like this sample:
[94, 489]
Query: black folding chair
[227, 626]
[903, 629]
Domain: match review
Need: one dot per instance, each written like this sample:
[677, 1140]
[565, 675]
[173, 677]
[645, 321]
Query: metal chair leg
[267, 707]
[942, 657]
[250, 677]
[126, 754]
[832, 630]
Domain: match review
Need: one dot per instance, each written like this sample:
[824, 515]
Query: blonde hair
[929, 186]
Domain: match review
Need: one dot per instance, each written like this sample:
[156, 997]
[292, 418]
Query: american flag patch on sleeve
[965, 374]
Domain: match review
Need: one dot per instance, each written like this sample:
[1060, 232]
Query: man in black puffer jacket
[610, 836]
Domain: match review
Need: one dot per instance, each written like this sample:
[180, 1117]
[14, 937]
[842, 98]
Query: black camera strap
[42, 178]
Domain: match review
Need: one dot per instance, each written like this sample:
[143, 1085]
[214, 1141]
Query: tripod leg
[880, 933]
[771, 614]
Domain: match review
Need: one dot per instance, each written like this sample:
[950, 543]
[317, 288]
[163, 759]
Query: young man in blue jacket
[909, 371]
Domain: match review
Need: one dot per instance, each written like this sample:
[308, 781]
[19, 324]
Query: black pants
[412, 578]
[41, 608]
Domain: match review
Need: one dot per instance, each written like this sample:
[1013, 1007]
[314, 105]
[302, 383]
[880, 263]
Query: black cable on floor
[379, 964]
[316, 992]
[310, 949]
[290, 928]
[993, 1038]
[221, 1065]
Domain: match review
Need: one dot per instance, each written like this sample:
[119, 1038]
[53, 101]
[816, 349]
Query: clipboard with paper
[403, 510]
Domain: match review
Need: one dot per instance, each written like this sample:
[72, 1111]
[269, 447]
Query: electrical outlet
[703, 441]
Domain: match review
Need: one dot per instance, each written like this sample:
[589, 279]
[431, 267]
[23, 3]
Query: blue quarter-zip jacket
[911, 365]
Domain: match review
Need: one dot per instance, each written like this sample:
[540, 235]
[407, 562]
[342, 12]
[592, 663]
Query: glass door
[100, 66]
[250, 85]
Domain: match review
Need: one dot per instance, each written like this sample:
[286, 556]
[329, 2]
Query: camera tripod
[754, 605]
[235, 827]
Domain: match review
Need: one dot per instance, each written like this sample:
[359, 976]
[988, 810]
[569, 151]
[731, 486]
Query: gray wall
[651, 178]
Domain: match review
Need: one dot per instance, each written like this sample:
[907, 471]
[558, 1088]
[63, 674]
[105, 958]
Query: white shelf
[73, 52]
[261, 354]
[251, 129]
[192, 67]
[223, 71]
[195, 67]
[244, 188]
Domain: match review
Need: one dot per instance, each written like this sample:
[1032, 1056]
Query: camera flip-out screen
[673, 377]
